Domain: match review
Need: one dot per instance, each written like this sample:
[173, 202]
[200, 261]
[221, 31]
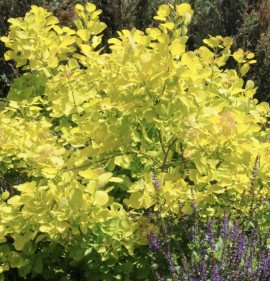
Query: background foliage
[247, 21]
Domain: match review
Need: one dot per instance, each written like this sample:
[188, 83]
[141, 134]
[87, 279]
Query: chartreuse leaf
[177, 48]
[89, 174]
[5, 195]
[104, 178]
[101, 198]
[19, 241]
[163, 11]
[90, 7]
[84, 34]
[183, 9]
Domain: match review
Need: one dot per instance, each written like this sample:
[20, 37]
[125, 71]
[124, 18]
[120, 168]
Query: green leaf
[38, 267]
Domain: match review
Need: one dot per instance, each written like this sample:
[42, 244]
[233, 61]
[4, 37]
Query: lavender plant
[188, 249]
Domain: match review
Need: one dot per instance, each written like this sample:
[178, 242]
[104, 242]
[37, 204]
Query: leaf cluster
[83, 129]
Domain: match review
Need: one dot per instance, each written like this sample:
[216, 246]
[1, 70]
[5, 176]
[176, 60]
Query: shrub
[82, 130]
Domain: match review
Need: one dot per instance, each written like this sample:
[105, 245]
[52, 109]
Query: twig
[113, 156]
[164, 164]
[161, 142]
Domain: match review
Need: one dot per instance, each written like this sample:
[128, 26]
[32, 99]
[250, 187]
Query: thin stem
[147, 155]
[113, 156]
[164, 164]
[161, 142]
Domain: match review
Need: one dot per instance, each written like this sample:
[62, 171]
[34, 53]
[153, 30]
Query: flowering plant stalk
[216, 250]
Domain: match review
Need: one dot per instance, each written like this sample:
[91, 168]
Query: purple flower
[225, 227]
[209, 233]
[234, 233]
[154, 244]
[242, 242]
[215, 270]
[155, 181]
[254, 175]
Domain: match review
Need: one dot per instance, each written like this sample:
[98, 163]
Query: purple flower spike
[225, 227]
[241, 246]
[209, 233]
[154, 244]
[155, 180]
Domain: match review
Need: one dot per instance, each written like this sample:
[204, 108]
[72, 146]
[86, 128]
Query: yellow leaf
[160, 18]
[191, 60]
[135, 200]
[62, 226]
[72, 63]
[184, 8]
[5, 120]
[177, 48]
[19, 242]
[68, 40]
[89, 174]
[250, 56]
[114, 41]
[5, 196]
[79, 7]
[187, 210]
[57, 29]
[101, 198]
[45, 228]
[35, 108]
[4, 39]
[91, 187]
[84, 34]
[169, 25]
[90, 7]
[83, 227]
[227, 42]
[239, 55]
[49, 171]
[52, 20]
[27, 187]
[104, 178]
[244, 69]
[163, 11]
[95, 15]
[116, 179]
[103, 215]
[14, 199]
[10, 55]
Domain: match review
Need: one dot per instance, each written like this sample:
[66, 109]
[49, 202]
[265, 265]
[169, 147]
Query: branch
[164, 164]
[113, 156]
[147, 155]
[161, 142]
[95, 162]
